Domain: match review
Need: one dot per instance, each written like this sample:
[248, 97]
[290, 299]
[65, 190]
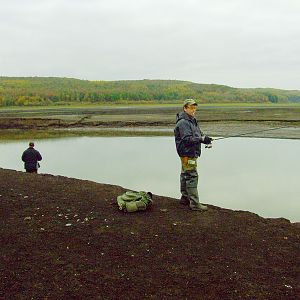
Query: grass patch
[48, 134]
[143, 104]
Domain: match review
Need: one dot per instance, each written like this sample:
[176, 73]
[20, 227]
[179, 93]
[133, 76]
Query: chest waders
[189, 181]
[132, 201]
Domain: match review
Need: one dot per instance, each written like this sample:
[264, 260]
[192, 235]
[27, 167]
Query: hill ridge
[25, 91]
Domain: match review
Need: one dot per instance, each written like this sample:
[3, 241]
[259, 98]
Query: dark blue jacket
[188, 136]
[31, 158]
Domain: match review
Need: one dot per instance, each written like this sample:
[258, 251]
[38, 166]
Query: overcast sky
[240, 43]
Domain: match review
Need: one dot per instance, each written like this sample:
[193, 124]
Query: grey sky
[241, 43]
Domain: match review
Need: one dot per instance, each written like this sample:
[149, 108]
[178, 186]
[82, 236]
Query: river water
[257, 175]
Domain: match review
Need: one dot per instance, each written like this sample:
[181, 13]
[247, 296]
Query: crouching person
[31, 158]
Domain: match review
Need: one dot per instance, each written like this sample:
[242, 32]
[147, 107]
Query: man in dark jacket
[31, 157]
[188, 139]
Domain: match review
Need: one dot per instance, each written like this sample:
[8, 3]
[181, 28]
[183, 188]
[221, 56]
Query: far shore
[269, 121]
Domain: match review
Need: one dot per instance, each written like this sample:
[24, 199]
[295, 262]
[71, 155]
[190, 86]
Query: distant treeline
[25, 91]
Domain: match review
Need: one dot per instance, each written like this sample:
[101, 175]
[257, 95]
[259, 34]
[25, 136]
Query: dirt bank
[63, 238]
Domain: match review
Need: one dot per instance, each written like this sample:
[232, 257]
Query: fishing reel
[209, 145]
[207, 141]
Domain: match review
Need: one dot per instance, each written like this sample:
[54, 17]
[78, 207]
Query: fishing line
[246, 133]
[241, 134]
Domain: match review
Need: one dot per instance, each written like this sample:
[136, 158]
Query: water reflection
[258, 175]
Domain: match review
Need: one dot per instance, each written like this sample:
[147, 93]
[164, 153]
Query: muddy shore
[150, 120]
[63, 238]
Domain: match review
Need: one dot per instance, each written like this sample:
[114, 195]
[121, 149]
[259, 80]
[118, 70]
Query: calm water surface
[257, 175]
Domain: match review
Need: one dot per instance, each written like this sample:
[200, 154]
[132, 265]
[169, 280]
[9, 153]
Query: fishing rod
[242, 134]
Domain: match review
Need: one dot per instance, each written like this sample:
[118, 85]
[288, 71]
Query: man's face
[190, 110]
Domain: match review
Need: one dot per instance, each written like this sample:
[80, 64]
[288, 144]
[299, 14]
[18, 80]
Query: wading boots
[199, 207]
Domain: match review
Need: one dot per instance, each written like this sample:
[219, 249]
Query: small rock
[288, 286]
[25, 197]
[68, 224]
[27, 218]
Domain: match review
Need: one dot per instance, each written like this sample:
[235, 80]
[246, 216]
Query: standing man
[188, 139]
[31, 157]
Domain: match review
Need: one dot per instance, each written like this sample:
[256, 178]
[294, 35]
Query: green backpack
[132, 201]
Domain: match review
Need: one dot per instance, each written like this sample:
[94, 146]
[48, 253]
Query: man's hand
[207, 140]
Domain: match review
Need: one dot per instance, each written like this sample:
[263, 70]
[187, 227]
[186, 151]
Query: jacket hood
[182, 115]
